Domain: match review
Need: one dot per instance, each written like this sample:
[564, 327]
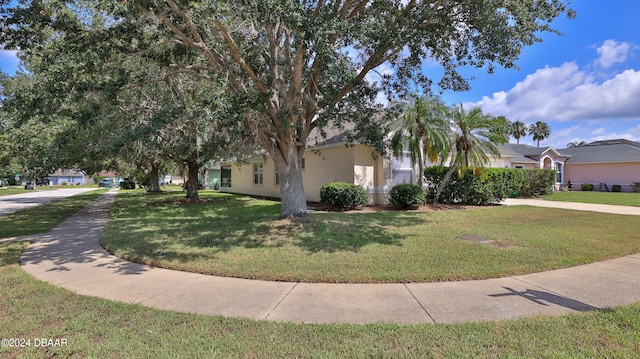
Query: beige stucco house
[326, 161]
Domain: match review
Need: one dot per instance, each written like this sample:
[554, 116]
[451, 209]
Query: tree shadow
[77, 241]
[221, 224]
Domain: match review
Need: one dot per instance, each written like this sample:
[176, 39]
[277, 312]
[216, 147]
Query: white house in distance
[608, 162]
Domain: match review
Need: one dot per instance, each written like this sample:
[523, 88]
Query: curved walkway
[71, 256]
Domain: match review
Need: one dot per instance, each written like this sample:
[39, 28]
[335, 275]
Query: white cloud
[612, 52]
[568, 92]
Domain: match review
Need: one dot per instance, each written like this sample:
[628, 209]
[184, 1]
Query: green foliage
[342, 195]
[488, 185]
[636, 186]
[538, 182]
[405, 195]
[616, 188]
[586, 187]
[283, 63]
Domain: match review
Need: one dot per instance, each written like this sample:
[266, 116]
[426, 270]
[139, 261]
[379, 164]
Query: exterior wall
[527, 166]
[610, 173]
[340, 163]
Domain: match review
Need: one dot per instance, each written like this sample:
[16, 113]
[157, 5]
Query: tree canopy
[298, 66]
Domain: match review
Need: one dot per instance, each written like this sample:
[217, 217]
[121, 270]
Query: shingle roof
[604, 151]
[509, 149]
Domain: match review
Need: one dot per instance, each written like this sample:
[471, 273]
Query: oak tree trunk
[294, 203]
[191, 185]
[154, 184]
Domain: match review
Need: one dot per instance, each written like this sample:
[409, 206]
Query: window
[276, 180]
[257, 173]
[225, 176]
[302, 163]
[559, 168]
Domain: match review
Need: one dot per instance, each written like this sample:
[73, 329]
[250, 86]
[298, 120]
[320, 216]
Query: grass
[239, 236]
[616, 198]
[99, 328]
[42, 218]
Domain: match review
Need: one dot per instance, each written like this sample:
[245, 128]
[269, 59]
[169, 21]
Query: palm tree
[518, 130]
[502, 129]
[576, 144]
[540, 130]
[423, 132]
[474, 140]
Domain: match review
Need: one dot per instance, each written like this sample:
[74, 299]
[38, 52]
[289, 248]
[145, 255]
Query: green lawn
[242, 237]
[617, 198]
[99, 328]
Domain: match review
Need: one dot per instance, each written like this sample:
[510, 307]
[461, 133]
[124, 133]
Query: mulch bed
[321, 207]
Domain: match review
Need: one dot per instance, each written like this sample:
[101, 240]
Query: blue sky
[585, 84]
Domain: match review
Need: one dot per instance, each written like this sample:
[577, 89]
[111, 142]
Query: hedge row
[489, 185]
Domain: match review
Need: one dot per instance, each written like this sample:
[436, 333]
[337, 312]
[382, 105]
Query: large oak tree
[306, 65]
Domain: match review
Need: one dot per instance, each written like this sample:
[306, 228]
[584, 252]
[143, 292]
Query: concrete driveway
[16, 202]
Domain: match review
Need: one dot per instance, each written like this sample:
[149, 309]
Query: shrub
[616, 188]
[636, 186]
[406, 195]
[586, 187]
[63, 183]
[342, 195]
[489, 185]
[538, 182]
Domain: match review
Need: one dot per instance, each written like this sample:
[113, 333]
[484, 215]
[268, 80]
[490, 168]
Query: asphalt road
[16, 202]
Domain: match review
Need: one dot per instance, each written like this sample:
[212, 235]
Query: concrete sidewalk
[604, 208]
[70, 256]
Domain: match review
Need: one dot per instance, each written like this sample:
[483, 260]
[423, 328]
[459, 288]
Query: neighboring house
[527, 157]
[600, 163]
[70, 177]
[607, 162]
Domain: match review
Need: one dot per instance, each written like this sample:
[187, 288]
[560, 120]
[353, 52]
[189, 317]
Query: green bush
[406, 195]
[586, 187]
[616, 188]
[488, 185]
[538, 182]
[342, 195]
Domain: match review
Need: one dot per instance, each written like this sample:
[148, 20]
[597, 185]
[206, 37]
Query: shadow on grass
[77, 241]
[224, 222]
